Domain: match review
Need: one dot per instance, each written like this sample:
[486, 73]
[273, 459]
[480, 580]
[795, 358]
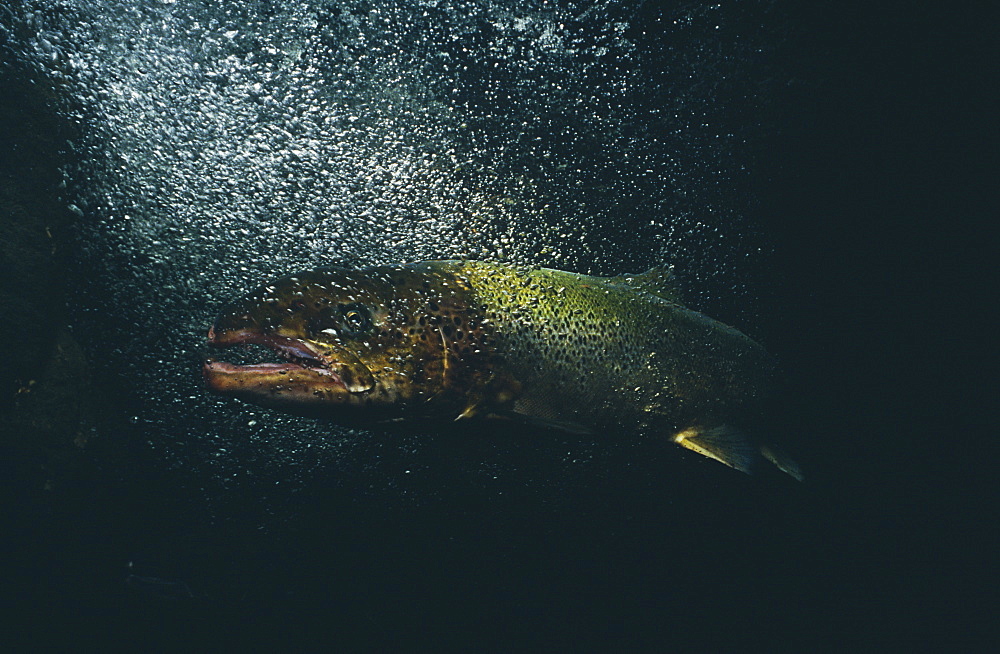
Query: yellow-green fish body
[469, 340]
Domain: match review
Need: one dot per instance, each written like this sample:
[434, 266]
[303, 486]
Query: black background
[881, 196]
[876, 195]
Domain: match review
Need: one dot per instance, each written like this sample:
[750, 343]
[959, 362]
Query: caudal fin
[732, 447]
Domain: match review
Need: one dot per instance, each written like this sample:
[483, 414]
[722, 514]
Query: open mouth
[299, 357]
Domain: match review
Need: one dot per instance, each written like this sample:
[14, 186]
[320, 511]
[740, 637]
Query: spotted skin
[447, 340]
[595, 353]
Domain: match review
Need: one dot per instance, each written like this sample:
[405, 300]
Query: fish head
[330, 328]
[372, 339]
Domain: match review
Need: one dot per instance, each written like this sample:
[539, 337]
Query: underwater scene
[440, 325]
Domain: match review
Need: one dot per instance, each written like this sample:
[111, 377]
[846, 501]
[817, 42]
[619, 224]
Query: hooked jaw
[307, 377]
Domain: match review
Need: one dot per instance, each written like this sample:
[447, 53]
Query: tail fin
[732, 447]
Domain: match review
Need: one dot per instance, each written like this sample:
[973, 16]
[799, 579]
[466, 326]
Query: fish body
[467, 340]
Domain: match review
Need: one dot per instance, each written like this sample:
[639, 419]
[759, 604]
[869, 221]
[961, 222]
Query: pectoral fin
[732, 447]
[544, 422]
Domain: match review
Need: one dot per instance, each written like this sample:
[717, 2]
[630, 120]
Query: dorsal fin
[659, 281]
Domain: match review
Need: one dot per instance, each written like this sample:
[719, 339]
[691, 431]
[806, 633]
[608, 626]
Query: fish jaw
[310, 377]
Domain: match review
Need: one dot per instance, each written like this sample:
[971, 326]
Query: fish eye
[355, 319]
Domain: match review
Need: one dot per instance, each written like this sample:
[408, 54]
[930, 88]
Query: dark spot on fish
[324, 319]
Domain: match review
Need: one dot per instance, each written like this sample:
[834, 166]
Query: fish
[446, 341]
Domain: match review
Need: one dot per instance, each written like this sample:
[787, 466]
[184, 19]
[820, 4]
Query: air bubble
[222, 146]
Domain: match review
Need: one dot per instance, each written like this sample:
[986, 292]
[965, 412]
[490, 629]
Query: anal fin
[734, 448]
[784, 462]
[722, 443]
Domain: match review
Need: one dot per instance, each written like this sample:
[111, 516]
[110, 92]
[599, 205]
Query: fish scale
[469, 340]
[595, 353]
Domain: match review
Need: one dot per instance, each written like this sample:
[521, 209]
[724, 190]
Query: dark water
[790, 163]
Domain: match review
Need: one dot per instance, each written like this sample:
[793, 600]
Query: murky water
[210, 146]
[220, 146]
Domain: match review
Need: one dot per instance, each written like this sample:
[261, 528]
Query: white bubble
[220, 150]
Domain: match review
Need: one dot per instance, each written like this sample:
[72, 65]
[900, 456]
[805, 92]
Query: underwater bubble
[224, 145]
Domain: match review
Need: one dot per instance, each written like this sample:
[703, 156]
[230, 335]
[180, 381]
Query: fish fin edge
[735, 449]
[659, 281]
[782, 461]
[543, 422]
